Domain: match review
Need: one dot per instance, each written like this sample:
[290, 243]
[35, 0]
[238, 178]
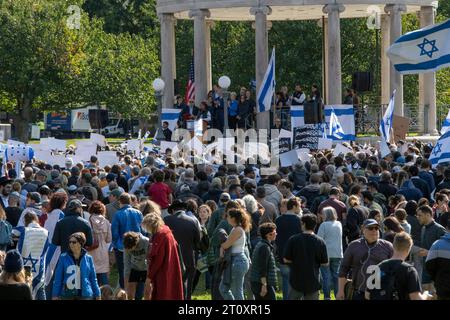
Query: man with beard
[5, 190]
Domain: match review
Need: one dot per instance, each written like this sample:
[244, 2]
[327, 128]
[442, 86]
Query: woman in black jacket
[243, 112]
[355, 218]
[263, 275]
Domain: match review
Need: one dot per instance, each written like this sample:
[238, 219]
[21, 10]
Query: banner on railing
[344, 113]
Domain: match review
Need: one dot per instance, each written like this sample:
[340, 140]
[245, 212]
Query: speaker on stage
[313, 112]
[98, 119]
[362, 81]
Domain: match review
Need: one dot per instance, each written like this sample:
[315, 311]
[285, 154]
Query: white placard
[77, 158]
[303, 154]
[289, 158]
[35, 132]
[285, 134]
[86, 152]
[325, 144]
[43, 155]
[134, 145]
[107, 158]
[54, 144]
[59, 159]
[98, 139]
[168, 144]
[341, 149]
[384, 149]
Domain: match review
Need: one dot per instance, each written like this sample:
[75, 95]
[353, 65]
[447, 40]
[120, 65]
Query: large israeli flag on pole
[335, 127]
[267, 89]
[446, 124]
[386, 121]
[424, 50]
[441, 151]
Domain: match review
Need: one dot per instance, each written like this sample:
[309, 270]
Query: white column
[334, 73]
[168, 66]
[261, 56]
[324, 26]
[396, 79]
[209, 27]
[427, 81]
[200, 53]
[385, 66]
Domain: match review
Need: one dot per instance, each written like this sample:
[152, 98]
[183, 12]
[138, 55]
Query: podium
[313, 112]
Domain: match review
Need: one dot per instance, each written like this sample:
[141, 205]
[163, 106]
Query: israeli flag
[446, 124]
[344, 113]
[386, 121]
[441, 151]
[171, 116]
[335, 127]
[424, 50]
[267, 89]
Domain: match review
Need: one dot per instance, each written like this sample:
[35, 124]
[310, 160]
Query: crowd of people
[242, 108]
[162, 224]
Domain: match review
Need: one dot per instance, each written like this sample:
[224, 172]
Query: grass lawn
[200, 292]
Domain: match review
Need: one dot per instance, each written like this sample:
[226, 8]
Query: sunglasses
[373, 228]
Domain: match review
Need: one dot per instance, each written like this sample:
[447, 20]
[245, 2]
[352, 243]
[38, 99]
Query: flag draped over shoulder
[420, 51]
[386, 121]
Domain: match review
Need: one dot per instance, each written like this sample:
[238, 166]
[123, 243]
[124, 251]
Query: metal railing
[368, 117]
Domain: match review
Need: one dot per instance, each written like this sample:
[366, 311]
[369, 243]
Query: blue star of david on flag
[430, 52]
[33, 262]
[437, 149]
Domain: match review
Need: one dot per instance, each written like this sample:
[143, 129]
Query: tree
[40, 57]
[54, 58]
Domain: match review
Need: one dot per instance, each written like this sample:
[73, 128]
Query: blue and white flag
[441, 151]
[446, 124]
[171, 116]
[336, 130]
[344, 113]
[267, 89]
[424, 50]
[386, 121]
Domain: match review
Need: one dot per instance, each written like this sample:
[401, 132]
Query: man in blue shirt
[126, 219]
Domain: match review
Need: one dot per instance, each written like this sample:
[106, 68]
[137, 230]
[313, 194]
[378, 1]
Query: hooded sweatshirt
[273, 195]
[410, 191]
[298, 176]
[310, 192]
[101, 229]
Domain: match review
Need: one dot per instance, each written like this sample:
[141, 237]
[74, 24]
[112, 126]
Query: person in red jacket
[164, 278]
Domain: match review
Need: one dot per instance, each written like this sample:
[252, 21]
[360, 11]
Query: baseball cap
[35, 196]
[74, 204]
[116, 193]
[15, 194]
[224, 197]
[370, 222]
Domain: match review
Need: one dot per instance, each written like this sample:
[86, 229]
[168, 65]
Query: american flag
[190, 88]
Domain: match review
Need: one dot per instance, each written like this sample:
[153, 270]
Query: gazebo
[262, 12]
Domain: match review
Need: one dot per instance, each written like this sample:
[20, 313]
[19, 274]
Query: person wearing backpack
[398, 280]
[102, 237]
[5, 231]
